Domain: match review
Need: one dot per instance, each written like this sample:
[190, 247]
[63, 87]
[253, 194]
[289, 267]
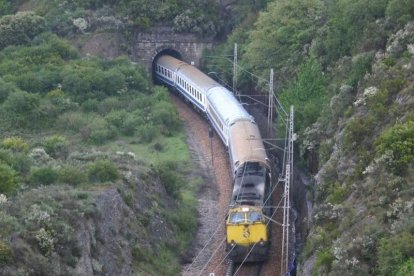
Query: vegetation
[74, 128]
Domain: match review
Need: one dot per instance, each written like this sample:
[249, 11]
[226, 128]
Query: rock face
[359, 201]
[110, 237]
[104, 230]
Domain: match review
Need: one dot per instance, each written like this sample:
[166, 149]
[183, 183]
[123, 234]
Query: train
[247, 222]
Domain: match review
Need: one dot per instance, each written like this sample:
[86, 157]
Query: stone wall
[146, 46]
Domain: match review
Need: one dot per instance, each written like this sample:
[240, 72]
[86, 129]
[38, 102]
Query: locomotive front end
[247, 234]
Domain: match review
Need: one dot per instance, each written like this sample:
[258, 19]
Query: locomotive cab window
[254, 217]
[237, 217]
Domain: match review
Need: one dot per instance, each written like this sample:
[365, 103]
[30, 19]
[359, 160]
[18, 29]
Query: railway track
[197, 128]
[247, 269]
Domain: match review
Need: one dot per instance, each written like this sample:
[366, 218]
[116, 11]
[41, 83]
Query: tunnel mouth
[166, 51]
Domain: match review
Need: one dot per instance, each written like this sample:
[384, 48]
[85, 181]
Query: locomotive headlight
[232, 243]
[261, 242]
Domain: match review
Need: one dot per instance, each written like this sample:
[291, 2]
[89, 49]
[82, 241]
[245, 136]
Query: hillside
[95, 173]
[88, 142]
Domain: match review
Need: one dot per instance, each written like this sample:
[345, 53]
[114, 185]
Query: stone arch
[164, 50]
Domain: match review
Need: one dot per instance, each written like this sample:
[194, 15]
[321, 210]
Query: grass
[173, 148]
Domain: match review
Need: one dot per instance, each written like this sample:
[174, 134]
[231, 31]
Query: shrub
[394, 252]
[337, 193]
[400, 10]
[102, 171]
[164, 114]
[398, 139]
[360, 66]
[72, 120]
[19, 162]
[406, 269]
[19, 28]
[56, 146]
[72, 175]
[15, 143]
[116, 118]
[147, 132]
[132, 123]
[21, 109]
[8, 179]
[108, 105]
[6, 254]
[324, 258]
[90, 105]
[43, 176]
[100, 130]
[170, 178]
[6, 88]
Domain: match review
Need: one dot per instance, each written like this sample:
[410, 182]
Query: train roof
[189, 72]
[227, 106]
[170, 62]
[203, 81]
[247, 145]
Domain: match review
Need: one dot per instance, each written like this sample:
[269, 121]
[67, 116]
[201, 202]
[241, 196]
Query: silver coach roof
[170, 62]
[227, 106]
[203, 81]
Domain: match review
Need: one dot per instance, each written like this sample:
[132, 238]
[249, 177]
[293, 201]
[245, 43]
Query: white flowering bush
[45, 241]
[368, 93]
[81, 24]
[3, 199]
[38, 216]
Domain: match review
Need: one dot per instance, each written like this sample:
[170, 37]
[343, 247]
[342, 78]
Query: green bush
[15, 143]
[102, 171]
[72, 120]
[116, 118]
[406, 269]
[360, 66]
[6, 253]
[56, 146]
[132, 123]
[19, 28]
[6, 88]
[147, 132]
[307, 94]
[100, 131]
[324, 259]
[72, 175]
[21, 109]
[43, 176]
[394, 252]
[164, 114]
[108, 105]
[337, 193]
[170, 178]
[8, 179]
[19, 161]
[400, 11]
[399, 140]
[90, 105]
[5, 7]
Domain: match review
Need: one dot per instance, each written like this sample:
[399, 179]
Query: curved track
[213, 206]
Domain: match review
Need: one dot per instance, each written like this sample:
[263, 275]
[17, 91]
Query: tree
[20, 28]
[280, 35]
[307, 93]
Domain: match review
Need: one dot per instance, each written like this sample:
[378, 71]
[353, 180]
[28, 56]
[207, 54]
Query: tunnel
[166, 51]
